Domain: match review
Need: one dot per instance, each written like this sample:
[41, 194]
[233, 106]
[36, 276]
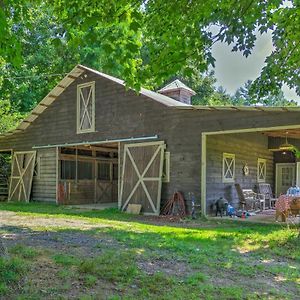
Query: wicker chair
[250, 199]
[266, 190]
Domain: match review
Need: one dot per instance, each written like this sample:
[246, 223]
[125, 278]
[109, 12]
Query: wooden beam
[81, 68]
[86, 158]
[96, 148]
[71, 76]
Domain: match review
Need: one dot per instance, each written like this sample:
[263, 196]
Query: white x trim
[228, 167]
[85, 103]
[20, 185]
[86, 107]
[141, 176]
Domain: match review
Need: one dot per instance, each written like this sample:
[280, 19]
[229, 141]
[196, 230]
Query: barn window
[166, 168]
[86, 107]
[261, 170]
[228, 167]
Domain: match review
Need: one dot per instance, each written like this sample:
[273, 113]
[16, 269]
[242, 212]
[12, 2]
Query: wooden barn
[92, 141]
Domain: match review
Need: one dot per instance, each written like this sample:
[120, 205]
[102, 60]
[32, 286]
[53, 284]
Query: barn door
[21, 176]
[142, 176]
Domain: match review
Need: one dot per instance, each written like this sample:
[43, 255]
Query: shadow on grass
[151, 230]
[211, 246]
[113, 214]
[212, 239]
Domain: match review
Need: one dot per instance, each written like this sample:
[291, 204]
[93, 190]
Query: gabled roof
[167, 101]
[176, 85]
[70, 78]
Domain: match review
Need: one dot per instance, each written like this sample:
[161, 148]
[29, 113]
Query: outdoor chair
[249, 199]
[266, 190]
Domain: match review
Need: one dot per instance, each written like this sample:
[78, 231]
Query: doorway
[88, 174]
[285, 177]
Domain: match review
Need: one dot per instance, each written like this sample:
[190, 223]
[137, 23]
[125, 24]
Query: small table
[282, 206]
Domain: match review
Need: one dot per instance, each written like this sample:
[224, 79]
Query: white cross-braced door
[142, 176]
[86, 107]
[21, 176]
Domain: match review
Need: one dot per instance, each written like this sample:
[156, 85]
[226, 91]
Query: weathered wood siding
[247, 148]
[44, 185]
[123, 114]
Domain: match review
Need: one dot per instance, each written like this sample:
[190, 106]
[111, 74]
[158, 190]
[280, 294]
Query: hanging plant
[296, 151]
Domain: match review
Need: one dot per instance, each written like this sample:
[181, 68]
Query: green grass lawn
[112, 255]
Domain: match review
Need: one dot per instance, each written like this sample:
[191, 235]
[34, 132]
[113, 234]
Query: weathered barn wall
[123, 114]
[247, 148]
[44, 182]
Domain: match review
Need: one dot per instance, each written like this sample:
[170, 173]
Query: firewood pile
[175, 206]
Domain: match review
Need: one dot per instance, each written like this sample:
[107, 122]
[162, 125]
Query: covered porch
[248, 159]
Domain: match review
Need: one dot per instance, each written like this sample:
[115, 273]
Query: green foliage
[149, 41]
[139, 259]
[90, 280]
[208, 94]
[121, 266]
[245, 96]
[144, 42]
[11, 270]
[24, 252]
[65, 260]
[9, 119]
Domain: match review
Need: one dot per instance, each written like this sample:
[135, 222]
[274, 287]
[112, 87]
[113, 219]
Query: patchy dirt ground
[72, 239]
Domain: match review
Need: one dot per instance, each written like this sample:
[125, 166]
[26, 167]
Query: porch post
[203, 174]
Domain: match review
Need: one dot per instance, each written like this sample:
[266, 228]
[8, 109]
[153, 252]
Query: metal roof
[70, 78]
[167, 101]
[242, 108]
[175, 85]
[150, 94]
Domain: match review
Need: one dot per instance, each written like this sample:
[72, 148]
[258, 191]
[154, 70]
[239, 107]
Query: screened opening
[68, 151]
[85, 170]
[68, 169]
[88, 174]
[84, 152]
[104, 171]
[115, 171]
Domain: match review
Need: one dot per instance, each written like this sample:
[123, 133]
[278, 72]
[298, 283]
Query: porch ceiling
[290, 133]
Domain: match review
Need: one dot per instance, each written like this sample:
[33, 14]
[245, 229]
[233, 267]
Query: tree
[9, 119]
[244, 96]
[24, 84]
[152, 40]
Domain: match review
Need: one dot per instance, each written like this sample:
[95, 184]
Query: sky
[232, 69]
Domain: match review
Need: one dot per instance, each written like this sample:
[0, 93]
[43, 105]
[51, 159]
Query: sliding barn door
[142, 176]
[21, 176]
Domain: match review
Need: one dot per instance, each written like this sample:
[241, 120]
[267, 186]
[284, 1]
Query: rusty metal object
[175, 206]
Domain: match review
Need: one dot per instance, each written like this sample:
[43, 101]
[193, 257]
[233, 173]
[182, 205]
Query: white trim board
[258, 129]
